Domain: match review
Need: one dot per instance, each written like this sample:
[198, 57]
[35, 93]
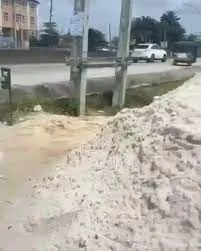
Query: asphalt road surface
[35, 74]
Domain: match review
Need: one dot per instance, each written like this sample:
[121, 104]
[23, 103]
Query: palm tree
[170, 18]
[172, 27]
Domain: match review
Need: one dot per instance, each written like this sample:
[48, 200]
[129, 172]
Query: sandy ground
[136, 186]
[28, 148]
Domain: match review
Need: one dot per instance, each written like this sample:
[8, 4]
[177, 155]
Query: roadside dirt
[28, 148]
[135, 186]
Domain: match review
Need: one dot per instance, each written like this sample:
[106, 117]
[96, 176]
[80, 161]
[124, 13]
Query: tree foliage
[149, 30]
[115, 42]
[33, 41]
[50, 36]
[145, 29]
[66, 41]
[192, 37]
[96, 39]
[170, 18]
[171, 23]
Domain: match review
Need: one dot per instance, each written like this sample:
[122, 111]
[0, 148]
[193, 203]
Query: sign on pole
[5, 78]
[80, 5]
[6, 81]
[164, 44]
[77, 24]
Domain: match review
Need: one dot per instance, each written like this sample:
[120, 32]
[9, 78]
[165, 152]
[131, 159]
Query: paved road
[34, 74]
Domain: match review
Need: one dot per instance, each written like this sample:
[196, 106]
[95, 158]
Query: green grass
[142, 96]
[11, 113]
[135, 97]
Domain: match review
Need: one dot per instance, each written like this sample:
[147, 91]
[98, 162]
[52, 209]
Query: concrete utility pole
[80, 30]
[1, 20]
[51, 10]
[123, 54]
[110, 37]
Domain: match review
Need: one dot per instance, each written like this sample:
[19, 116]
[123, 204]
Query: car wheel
[151, 59]
[174, 62]
[164, 58]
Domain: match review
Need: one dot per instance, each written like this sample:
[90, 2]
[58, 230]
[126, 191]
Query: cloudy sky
[105, 12]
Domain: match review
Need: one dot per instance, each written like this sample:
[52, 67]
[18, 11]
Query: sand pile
[136, 186]
[28, 148]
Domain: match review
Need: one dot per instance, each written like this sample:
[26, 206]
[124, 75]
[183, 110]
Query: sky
[105, 12]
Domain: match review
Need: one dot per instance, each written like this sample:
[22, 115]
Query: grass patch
[11, 113]
[97, 104]
[135, 98]
[142, 96]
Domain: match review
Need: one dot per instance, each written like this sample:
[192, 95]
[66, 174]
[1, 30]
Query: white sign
[77, 24]
[164, 44]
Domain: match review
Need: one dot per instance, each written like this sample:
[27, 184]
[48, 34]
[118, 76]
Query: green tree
[172, 26]
[192, 37]
[115, 42]
[50, 37]
[96, 39]
[66, 41]
[33, 41]
[145, 29]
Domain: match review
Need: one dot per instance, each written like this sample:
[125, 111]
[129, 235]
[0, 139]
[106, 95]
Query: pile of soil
[136, 186]
[28, 148]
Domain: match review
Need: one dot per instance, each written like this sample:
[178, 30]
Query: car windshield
[142, 46]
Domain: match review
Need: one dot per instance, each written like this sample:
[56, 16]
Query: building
[19, 20]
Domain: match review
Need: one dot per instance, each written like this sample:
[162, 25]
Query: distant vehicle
[148, 52]
[182, 58]
[104, 49]
[186, 47]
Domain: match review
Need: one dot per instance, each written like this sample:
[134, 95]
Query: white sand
[28, 148]
[136, 186]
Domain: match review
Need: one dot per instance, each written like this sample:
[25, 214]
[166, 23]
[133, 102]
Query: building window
[32, 20]
[5, 2]
[23, 19]
[32, 5]
[18, 2]
[18, 18]
[5, 16]
[24, 4]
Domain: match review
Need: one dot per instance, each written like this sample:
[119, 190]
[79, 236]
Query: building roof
[34, 1]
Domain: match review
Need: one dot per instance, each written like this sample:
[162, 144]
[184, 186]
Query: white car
[148, 52]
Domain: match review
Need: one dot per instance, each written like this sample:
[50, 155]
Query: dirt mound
[28, 148]
[136, 186]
